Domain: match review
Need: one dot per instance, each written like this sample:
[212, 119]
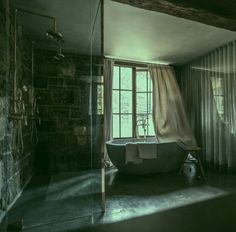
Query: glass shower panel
[65, 194]
[97, 146]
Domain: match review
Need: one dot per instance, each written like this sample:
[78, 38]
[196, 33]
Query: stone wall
[63, 93]
[16, 163]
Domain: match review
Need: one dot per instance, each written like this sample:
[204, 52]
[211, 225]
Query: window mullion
[147, 104]
[134, 118]
[119, 101]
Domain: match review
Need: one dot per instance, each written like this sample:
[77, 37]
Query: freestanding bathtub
[170, 157]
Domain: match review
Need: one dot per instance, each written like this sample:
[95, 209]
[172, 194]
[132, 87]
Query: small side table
[194, 151]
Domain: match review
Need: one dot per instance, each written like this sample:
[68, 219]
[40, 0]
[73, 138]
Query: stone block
[7, 144]
[60, 112]
[70, 82]
[51, 70]
[63, 96]
[67, 70]
[55, 82]
[77, 113]
[28, 146]
[2, 86]
[40, 83]
[3, 124]
[40, 69]
[57, 142]
[44, 97]
[71, 141]
[43, 112]
[47, 126]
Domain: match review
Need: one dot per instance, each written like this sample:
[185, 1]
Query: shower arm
[40, 15]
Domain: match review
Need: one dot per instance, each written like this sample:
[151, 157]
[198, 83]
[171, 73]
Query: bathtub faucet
[143, 123]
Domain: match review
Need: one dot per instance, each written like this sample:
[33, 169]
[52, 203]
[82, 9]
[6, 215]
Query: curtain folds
[169, 117]
[208, 86]
[108, 79]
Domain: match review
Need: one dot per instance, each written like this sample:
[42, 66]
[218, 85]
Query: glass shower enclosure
[69, 153]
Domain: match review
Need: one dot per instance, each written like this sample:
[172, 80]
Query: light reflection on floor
[71, 200]
[143, 206]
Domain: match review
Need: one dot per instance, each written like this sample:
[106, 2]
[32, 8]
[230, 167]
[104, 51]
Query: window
[131, 102]
[217, 87]
[122, 102]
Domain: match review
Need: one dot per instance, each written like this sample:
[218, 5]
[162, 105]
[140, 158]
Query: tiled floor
[71, 201]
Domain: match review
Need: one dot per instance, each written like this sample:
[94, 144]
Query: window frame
[135, 69]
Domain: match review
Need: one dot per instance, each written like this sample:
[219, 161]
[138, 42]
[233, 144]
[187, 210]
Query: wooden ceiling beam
[216, 13]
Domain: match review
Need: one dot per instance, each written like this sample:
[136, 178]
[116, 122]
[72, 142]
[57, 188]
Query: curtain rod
[133, 62]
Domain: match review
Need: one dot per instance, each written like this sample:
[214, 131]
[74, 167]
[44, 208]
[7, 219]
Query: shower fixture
[54, 34]
[51, 33]
[59, 55]
[18, 113]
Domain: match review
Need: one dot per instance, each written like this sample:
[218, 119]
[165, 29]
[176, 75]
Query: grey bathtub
[170, 157]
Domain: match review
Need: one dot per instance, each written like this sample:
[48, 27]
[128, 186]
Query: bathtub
[170, 157]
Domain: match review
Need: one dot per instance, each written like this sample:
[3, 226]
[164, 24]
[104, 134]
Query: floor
[71, 201]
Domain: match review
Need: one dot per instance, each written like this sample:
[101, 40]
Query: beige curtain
[169, 117]
[108, 77]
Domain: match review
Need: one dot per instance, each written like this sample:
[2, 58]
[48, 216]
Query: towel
[131, 154]
[147, 150]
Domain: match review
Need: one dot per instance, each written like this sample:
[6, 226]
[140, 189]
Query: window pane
[116, 126]
[219, 100]
[126, 102]
[217, 85]
[149, 83]
[115, 83]
[141, 81]
[126, 78]
[141, 103]
[149, 103]
[99, 99]
[126, 125]
[115, 101]
[151, 131]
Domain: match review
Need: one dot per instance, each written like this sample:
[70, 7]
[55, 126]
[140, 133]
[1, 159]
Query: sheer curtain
[108, 79]
[169, 117]
[208, 85]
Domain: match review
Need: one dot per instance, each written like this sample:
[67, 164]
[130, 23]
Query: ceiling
[75, 19]
[136, 34]
[130, 33]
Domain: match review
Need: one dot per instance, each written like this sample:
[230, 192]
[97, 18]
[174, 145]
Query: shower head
[59, 55]
[53, 34]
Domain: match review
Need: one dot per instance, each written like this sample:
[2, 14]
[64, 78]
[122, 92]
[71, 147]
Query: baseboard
[3, 213]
